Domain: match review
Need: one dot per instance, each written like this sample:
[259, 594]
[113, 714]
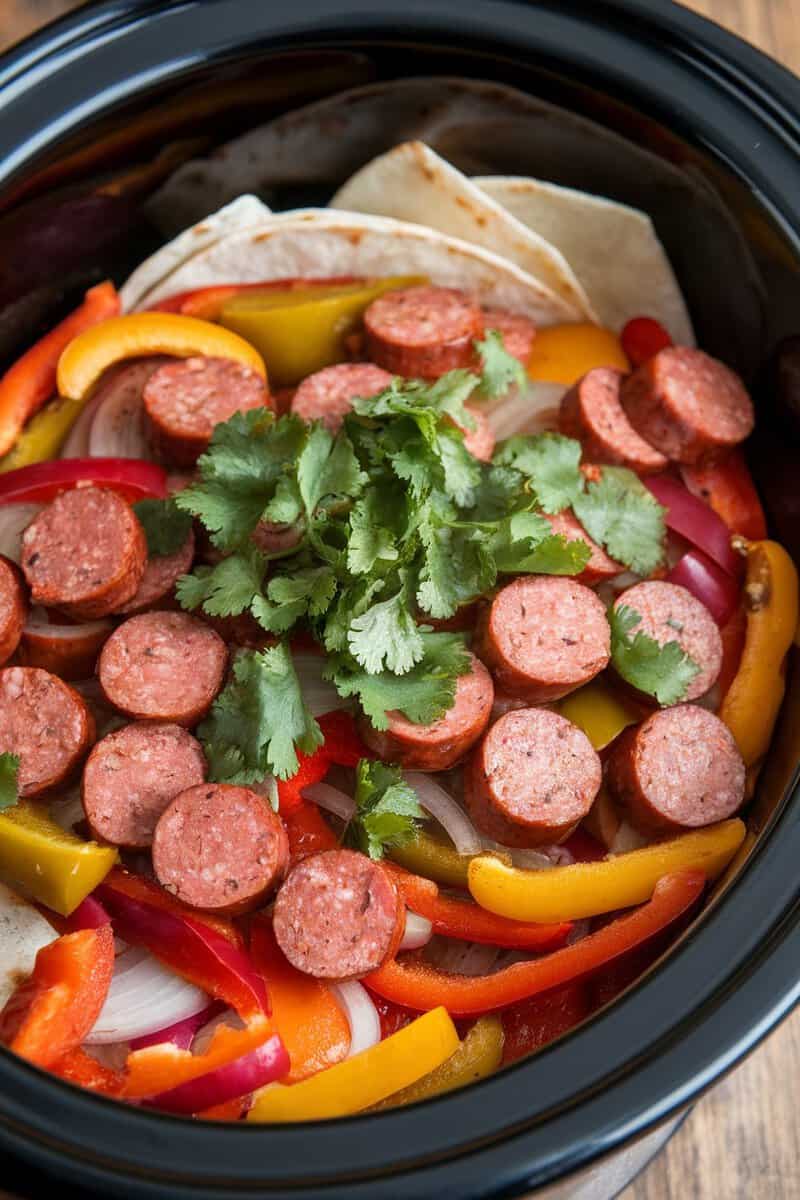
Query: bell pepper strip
[535, 1022]
[44, 435]
[342, 747]
[255, 1069]
[80, 1068]
[308, 832]
[229, 1110]
[367, 1078]
[588, 889]
[138, 334]
[468, 922]
[31, 381]
[158, 1069]
[207, 302]
[55, 866]
[417, 984]
[600, 711]
[305, 1012]
[564, 353]
[479, 1055]
[147, 891]
[642, 338]
[428, 856]
[52, 1012]
[728, 487]
[39, 483]
[750, 706]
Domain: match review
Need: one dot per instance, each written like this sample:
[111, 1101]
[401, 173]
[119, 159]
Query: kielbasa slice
[439, 746]
[688, 405]
[46, 723]
[163, 666]
[533, 777]
[84, 553]
[591, 412]
[328, 395]
[679, 769]
[132, 775]
[423, 332]
[600, 565]
[338, 915]
[13, 608]
[161, 573]
[518, 331]
[184, 400]
[543, 636]
[670, 613]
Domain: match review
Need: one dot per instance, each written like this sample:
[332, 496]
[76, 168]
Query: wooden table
[742, 1142]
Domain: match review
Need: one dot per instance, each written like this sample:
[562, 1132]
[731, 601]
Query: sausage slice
[600, 565]
[163, 666]
[679, 769]
[422, 332]
[544, 636]
[46, 723]
[518, 331]
[338, 915]
[13, 608]
[670, 613]
[161, 573]
[328, 395]
[591, 412]
[132, 775]
[532, 779]
[220, 848]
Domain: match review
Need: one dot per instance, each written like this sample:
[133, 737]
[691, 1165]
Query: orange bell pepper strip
[467, 921]
[52, 1012]
[31, 381]
[728, 487]
[305, 1013]
[417, 984]
[564, 353]
[308, 832]
[80, 1068]
[160, 1068]
[228, 1110]
[342, 747]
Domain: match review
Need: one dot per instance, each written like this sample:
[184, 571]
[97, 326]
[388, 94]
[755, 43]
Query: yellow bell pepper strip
[590, 888]
[478, 1056]
[599, 711]
[208, 302]
[44, 435]
[750, 706]
[427, 856]
[31, 381]
[138, 334]
[56, 867]
[366, 1078]
[299, 333]
[564, 353]
[417, 984]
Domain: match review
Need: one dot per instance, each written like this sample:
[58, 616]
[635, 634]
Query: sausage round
[440, 745]
[592, 413]
[688, 405]
[132, 775]
[220, 848]
[518, 331]
[185, 399]
[480, 440]
[600, 565]
[163, 666]
[679, 769]
[543, 636]
[423, 332]
[13, 609]
[531, 780]
[69, 651]
[46, 723]
[670, 613]
[161, 573]
[328, 395]
[84, 553]
[338, 915]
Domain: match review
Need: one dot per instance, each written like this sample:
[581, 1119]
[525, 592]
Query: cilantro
[386, 635]
[619, 512]
[456, 567]
[9, 769]
[165, 527]
[387, 809]
[501, 371]
[551, 463]
[661, 671]
[327, 469]
[225, 590]
[307, 591]
[373, 530]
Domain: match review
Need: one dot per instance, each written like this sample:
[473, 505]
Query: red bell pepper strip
[468, 922]
[417, 984]
[643, 337]
[31, 381]
[533, 1023]
[207, 303]
[342, 747]
[727, 486]
[308, 832]
[52, 1012]
[80, 1068]
[41, 482]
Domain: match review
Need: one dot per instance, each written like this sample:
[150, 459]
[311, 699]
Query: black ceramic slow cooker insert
[106, 93]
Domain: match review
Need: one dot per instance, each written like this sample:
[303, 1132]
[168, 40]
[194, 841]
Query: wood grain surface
[742, 1142]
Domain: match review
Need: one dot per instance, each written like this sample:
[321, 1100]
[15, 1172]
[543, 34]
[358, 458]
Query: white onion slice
[533, 411]
[444, 809]
[466, 958]
[268, 788]
[362, 1016]
[319, 695]
[77, 444]
[37, 625]
[144, 997]
[117, 430]
[14, 520]
[331, 799]
[627, 839]
[418, 931]
[67, 810]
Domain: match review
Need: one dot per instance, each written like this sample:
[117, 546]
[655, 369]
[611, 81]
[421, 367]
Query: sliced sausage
[423, 332]
[480, 440]
[161, 574]
[600, 565]
[69, 651]
[185, 399]
[688, 405]
[439, 746]
[518, 331]
[163, 666]
[220, 848]
[543, 636]
[13, 608]
[679, 769]
[84, 553]
[670, 613]
[338, 915]
[328, 395]
[132, 775]
[531, 780]
[591, 412]
[272, 538]
[46, 723]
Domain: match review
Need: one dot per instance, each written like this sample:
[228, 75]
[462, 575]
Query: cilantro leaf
[306, 591]
[386, 635]
[661, 671]
[226, 589]
[501, 371]
[9, 770]
[619, 512]
[165, 527]
[373, 530]
[456, 567]
[328, 468]
[553, 555]
[551, 462]
[387, 809]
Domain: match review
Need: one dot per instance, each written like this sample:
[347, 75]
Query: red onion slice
[696, 521]
[261, 1066]
[712, 586]
[181, 1034]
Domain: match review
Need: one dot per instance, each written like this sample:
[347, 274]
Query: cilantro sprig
[165, 527]
[387, 809]
[9, 773]
[661, 671]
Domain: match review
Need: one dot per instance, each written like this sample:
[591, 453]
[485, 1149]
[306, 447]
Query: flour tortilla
[613, 250]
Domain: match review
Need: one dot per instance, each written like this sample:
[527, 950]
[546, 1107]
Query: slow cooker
[638, 100]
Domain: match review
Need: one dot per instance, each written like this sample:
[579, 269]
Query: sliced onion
[331, 799]
[181, 1034]
[712, 586]
[319, 695]
[268, 788]
[418, 931]
[77, 444]
[14, 520]
[144, 997]
[362, 1016]
[580, 929]
[534, 410]
[627, 838]
[465, 958]
[444, 809]
[67, 810]
[67, 650]
[526, 860]
[259, 1067]
[696, 521]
